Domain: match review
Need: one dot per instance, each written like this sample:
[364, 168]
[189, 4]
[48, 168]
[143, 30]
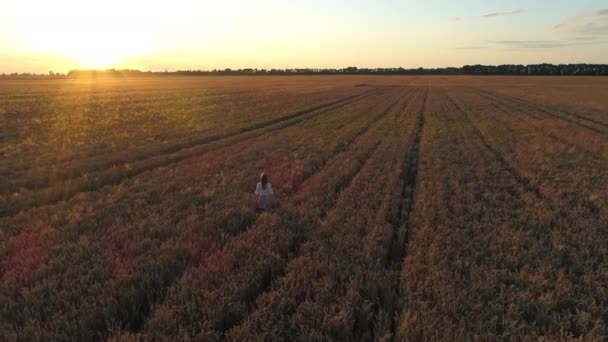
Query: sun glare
[93, 38]
[97, 50]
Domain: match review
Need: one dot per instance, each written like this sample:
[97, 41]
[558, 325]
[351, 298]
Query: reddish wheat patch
[26, 253]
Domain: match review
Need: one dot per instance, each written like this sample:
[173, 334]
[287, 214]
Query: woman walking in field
[264, 196]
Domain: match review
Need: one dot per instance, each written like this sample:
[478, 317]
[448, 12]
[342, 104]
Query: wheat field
[431, 207]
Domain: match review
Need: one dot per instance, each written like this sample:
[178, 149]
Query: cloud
[534, 44]
[586, 24]
[471, 47]
[527, 44]
[592, 28]
[584, 38]
[500, 14]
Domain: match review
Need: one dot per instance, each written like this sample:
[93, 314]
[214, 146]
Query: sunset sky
[38, 36]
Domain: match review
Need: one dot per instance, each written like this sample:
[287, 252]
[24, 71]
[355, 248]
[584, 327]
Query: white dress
[265, 194]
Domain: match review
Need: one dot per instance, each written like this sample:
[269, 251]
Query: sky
[61, 35]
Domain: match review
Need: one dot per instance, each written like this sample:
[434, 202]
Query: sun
[92, 37]
[99, 49]
[92, 45]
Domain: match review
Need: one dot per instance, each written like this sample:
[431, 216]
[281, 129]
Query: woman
[264, 196]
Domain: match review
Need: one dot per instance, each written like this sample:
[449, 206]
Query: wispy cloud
[471, 47]
[526, 44]
[534, 44]
[587, 24]
[584, 38]
[583, 29]
[500, 14]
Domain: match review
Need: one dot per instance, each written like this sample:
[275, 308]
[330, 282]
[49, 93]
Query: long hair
[263, 180]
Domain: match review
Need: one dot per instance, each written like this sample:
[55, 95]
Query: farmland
[414, 208]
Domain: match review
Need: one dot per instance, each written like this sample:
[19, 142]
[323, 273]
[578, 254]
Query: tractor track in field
[510, 109]
[68, 189]
[524, 181]
[399, 241]
[409, 175]
[552, 113]
[548, 110]
[504, 106]
[528, 185]
[343, 148]
[98, 165]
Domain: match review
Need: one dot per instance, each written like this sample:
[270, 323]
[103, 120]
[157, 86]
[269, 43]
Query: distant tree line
[538, 69]
[532, 69]
[51, 74]
[508, 69]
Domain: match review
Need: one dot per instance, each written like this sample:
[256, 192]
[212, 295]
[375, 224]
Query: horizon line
[291, 69]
